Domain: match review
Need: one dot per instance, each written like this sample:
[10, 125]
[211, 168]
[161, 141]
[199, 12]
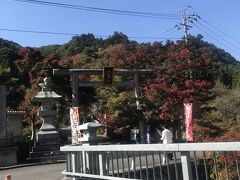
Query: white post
[186, 166]
[102, 164]
[73, 164]
[84, 162]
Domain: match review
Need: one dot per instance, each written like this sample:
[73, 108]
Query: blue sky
[218, 24]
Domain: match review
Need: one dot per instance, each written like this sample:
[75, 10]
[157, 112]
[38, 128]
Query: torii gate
[74, 73]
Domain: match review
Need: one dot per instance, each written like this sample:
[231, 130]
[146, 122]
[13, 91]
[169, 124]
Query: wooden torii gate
[74, 73]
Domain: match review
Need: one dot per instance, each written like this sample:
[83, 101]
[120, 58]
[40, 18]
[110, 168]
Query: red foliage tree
[180, 78]
[35, 66]
[172, 64]
[134, 56]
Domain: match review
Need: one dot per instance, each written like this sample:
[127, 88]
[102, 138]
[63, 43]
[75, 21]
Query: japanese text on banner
[188, 121]
[74, 117]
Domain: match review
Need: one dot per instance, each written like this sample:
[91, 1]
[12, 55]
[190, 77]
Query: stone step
[45, 148]
[53, 158]
[47, 143]
[45, 154]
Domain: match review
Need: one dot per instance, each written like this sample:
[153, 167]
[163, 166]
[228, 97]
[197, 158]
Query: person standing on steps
[166, 138]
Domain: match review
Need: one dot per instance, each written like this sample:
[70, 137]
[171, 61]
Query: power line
[174, 3]
[75, 34]
[141, 37]
[216, 28]
[171, 29]
[38, 32]
[219, 30]
[103, 10]
[215, 38]
[207, 28]
[194, 18]
[173, 33]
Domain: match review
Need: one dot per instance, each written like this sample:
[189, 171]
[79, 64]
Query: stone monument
[14, 125]
[3, 121]
[47, 144]
[8, 151]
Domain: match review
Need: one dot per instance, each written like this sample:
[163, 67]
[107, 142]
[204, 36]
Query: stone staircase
[46, 152]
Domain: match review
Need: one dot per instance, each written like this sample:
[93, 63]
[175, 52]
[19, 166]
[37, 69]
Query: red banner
[188, 121]
[74, 117]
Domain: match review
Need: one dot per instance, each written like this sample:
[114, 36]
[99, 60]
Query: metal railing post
[186, 166]
[84, 164]
[73, 157]
[102, 164]
[102, 161]
[68, 162]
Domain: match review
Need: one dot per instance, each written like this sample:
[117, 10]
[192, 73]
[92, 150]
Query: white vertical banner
[74, 118]
[188, 121]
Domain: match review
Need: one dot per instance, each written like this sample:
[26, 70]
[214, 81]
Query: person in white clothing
[166, 138]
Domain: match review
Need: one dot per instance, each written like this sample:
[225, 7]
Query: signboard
[74, 118]
[108, 75]
[188, 121]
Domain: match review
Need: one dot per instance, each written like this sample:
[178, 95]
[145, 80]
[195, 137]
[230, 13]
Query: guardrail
[189, 161]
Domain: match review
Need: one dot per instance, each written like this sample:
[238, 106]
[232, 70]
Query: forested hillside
[200, 73]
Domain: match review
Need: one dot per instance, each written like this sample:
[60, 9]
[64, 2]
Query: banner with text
[74, 118]
[188, 121]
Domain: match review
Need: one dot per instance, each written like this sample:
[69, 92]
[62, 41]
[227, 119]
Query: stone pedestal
[8, 156]
[5, 142]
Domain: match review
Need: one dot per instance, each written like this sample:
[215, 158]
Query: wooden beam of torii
[74, 73]
[75, 81]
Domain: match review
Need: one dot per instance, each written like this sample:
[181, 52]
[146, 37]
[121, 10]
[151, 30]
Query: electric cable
[104, 10]
[76, 34]
[214, 27]
[207, 28]
[218, 29]
[215, 38]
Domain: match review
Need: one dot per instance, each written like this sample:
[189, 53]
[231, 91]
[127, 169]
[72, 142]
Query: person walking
[135, 138]
[166, 138]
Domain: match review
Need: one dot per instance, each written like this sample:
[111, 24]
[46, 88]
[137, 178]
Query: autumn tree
[221, 121]
[181, 77]
[170, 85]
[33, 67]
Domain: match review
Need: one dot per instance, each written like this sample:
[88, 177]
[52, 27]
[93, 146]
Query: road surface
[38, 172]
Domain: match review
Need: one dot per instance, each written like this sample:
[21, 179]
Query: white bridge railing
[191, 161]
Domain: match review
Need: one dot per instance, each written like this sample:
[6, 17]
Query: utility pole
[186, 19]
[184, 24]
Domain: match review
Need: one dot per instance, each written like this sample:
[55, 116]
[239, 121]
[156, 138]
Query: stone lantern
[47, 137]
[46, 97]
[88, 132]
